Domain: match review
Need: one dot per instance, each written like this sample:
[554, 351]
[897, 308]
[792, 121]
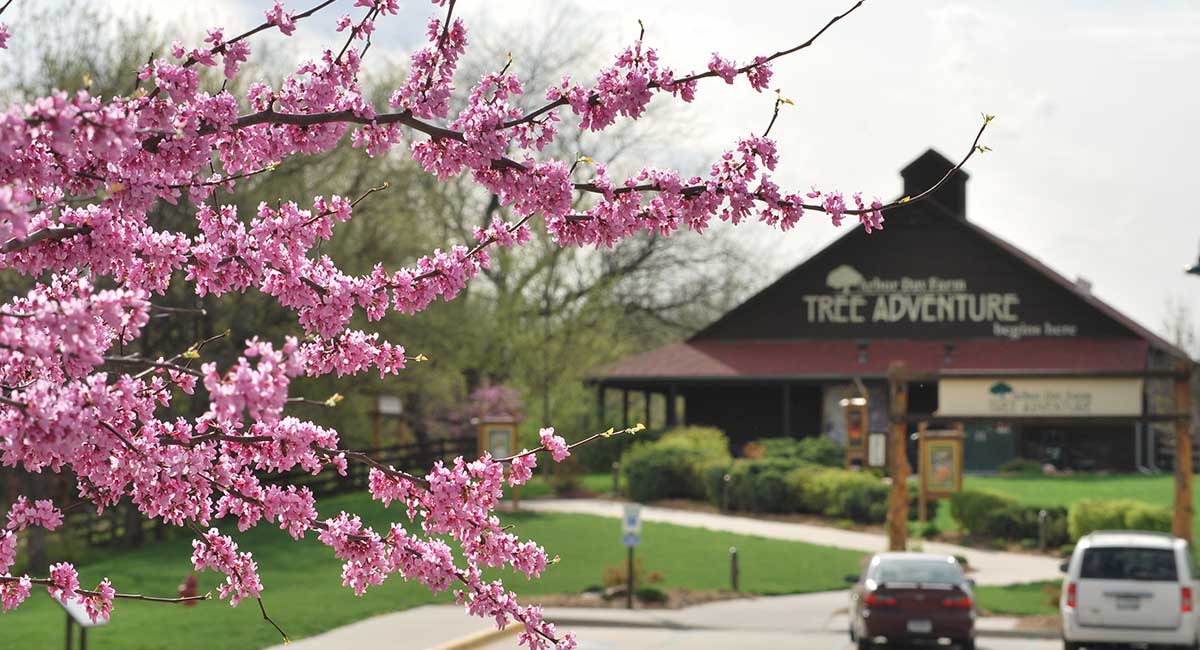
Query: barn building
[1033, 364]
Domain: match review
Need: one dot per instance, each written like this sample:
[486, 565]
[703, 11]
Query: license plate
[920, 626]
[1128, 602]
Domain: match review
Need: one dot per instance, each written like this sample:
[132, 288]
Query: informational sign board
[877, 449]
[856, 433]
[498, 437]
[631, 525]
[78, 614]
[1039, 397]
[941, 454]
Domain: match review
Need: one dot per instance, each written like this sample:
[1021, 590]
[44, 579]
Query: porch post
[625, 407]
[787, 411]
[1182, 525]
[672, 397]
[600, 405]
[646, 399]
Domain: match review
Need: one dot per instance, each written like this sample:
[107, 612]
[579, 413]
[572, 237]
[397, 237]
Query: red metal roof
[845, 358]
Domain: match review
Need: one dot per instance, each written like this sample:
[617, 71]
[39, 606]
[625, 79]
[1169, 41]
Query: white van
[1129, 587]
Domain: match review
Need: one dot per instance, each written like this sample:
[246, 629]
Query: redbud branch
[162, 365]
[46, 582]
[217, 49]
[199, 311]
[695, 77]
[5, 6]
[595, 436]
[44, 234]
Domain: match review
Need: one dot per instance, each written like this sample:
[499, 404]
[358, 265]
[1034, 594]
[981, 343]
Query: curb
[479, 639]
[1019, 634]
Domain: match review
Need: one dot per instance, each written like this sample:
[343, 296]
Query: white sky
[1093, 169]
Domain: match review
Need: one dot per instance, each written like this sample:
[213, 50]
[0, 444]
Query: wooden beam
[625, 407]
[672, 415]
[787, 411]
[898, 500]
[1183, 461]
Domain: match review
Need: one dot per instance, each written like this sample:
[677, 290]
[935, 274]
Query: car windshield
[1117, 563]
[926, 571]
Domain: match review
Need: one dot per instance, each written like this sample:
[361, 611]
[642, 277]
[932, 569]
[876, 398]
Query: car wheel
[968, 644]
[1070, 645]
[865, 644]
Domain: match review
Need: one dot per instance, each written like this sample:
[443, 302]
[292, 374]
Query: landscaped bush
[970, 508]
[671, 467]
[1019, 522]
[817, 450]
[760, 485]
[1088, 515]
[1021, 466]
[712, 473]
[914, 505]
[600, 457]
[1147, 517]
[862, 502]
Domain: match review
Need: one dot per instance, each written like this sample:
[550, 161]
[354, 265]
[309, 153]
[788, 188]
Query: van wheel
[865, 644]
[968, 644]
[1071, 645]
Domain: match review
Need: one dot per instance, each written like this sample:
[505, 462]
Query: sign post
[898, 500]
[77, 616]
[631, 536]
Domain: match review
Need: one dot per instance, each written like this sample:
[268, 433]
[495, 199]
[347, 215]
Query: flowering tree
[79, 175]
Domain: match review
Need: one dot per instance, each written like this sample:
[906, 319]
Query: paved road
[989, 567]
[804, 620]
[609, 638]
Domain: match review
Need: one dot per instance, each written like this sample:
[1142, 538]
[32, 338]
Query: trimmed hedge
[1089, 515]
[971, 508]
[671, 466]
[817, 450]
[1020, 522]
[760, 485]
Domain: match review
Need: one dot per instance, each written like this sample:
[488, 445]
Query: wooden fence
[123, 525]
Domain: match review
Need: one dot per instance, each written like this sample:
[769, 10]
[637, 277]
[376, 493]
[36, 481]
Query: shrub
[618, 575]
[914, 505]
[970, 508]
[1019, 522]
[1021, 466]
[760, 485]
[650, 595]
[671, 466]
[929, 531]
[1143, 516]
[712, 474]
[861, 502]
[817, 450]
[599, 458]
[1088, 515]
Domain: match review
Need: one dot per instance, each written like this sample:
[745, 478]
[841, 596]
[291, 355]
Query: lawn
[1063, 490]
[304, 593]
[539, 487]
[1026, 599]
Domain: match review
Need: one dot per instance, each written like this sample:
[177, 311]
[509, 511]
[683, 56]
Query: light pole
[1182, 525]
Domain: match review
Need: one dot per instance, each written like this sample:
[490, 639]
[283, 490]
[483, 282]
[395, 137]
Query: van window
[1117, 563]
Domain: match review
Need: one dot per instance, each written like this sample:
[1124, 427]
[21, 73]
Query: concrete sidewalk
[989, 567]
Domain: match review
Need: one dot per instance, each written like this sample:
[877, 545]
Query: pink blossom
[724, 68]
[12, 594]
[64, 581]
[4, 36]
[521, 468]
[100, 606]
[42, 513]
[280, 18]
[555, 444]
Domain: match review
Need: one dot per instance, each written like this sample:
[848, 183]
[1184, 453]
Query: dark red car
[910, 599]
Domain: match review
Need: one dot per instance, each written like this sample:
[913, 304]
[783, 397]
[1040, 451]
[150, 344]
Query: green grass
[539, 487]
[304, 593]
[1027, 599]
[1063, 490]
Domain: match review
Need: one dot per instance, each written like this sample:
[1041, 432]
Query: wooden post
[1183, 454]
[625, 407]
[600, 405]
[672, 397]
[787, 411]
[898, 502]
[922, 497]
[646, 399]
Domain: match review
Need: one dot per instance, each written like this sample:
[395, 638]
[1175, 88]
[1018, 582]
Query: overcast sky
[1093, 168]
